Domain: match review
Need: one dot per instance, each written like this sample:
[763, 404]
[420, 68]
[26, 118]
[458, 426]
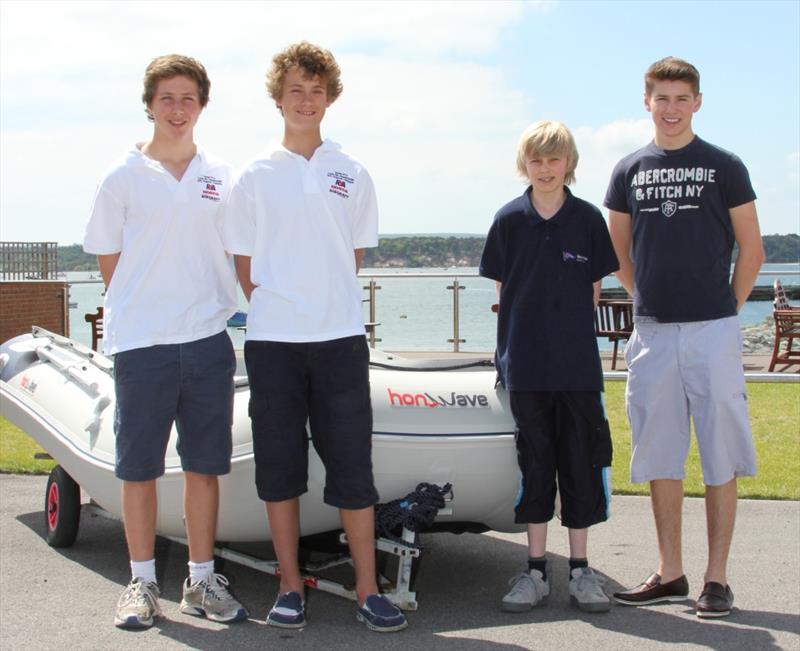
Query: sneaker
[527, 590]
[380, 614]
[138, 605]
[652, 591]
[289, 611]
[715, 600]
[586, 591]
[210, 598]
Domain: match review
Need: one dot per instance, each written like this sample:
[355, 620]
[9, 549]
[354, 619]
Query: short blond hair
[545, 138]
[312, 60]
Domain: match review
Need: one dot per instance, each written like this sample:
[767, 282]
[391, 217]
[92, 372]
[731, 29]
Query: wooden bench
[613, 319]
[96, 320]
[787, 328]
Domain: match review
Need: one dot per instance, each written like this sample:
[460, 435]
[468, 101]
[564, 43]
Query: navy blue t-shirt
[682, 234]
[545, 327]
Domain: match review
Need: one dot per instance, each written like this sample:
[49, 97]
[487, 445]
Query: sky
[436, 95]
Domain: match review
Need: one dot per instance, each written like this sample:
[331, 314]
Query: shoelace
[139, 591]
[216, 587]
[515, 582]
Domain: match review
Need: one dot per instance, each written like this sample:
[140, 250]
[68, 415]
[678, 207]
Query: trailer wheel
[62, 508]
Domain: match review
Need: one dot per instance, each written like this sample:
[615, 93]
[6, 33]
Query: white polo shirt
[174, 283]
[300, 222]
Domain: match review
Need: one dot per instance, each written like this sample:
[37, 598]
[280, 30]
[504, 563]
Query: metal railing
[456, 287]
[372, 287]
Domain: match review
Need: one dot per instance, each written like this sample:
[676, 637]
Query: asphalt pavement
[64, 599]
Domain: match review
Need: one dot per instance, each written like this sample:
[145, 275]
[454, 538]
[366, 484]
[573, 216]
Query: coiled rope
[416, 512]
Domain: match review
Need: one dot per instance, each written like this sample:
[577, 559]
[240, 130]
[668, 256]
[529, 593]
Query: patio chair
[97, 326]
[787, 328]
[613, 319]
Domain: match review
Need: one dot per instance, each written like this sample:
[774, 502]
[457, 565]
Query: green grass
[17, 451]
[774, 413]
[775, 419]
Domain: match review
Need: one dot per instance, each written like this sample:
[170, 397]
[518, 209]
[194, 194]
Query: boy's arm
[751, 250]
[619, 226]
[108, 265]
[596, 290]
[242, 264]
[359, 257]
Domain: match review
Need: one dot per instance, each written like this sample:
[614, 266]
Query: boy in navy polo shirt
[548, 252]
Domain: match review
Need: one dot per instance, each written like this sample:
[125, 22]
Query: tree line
[434, 251]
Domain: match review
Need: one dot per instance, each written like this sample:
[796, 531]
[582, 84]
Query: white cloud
[428, 104]
[437, 132]
[601, 148]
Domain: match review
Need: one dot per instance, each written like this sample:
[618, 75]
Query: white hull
[62, 395]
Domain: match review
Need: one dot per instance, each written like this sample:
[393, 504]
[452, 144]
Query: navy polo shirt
[545, 327]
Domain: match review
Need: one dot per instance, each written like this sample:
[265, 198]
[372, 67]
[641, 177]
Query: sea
[414, 307]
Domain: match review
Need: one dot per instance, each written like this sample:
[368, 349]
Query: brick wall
[26, 303]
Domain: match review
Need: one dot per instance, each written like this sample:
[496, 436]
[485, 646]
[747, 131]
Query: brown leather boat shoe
[652, 591]
[716, 600]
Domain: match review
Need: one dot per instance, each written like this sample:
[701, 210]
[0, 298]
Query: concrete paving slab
[64, 599]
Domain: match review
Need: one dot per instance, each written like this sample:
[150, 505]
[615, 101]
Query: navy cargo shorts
[190, 385]
[326, 384]
[564, 435]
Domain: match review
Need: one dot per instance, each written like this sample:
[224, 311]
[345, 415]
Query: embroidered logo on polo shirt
[340, 184]
[567, 256]
[209, 189]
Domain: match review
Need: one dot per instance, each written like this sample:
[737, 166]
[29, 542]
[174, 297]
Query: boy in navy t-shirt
[676, 208]
[548, 252]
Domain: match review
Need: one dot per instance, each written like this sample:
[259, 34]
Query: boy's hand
[619, 226]
[242, 264]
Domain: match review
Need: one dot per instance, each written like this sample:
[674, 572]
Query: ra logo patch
[340, 185]
[208, 185]
[669, 208]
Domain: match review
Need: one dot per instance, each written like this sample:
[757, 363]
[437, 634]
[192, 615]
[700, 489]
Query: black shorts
[564, 434]
[190, 385]
[326, 384]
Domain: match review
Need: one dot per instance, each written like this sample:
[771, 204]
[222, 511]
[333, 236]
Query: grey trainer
[210, 598]
[527, 589]
[586, 591]
[138, 605]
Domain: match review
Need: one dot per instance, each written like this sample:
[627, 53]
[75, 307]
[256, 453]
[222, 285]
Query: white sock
[200, 571]
[144, 570]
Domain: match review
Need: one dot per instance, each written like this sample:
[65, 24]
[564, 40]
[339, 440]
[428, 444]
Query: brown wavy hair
[312, 60]
[174, 65]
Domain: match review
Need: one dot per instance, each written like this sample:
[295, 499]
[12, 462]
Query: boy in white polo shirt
[155, 227]
[299, 218]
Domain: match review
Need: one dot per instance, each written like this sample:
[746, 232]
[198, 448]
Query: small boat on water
[435, 421]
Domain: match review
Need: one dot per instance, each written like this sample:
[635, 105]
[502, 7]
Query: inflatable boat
[435, 421]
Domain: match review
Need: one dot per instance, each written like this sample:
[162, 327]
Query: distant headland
[439, 250]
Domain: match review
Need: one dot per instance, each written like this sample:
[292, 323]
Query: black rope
[416, 511]
[482, 363]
